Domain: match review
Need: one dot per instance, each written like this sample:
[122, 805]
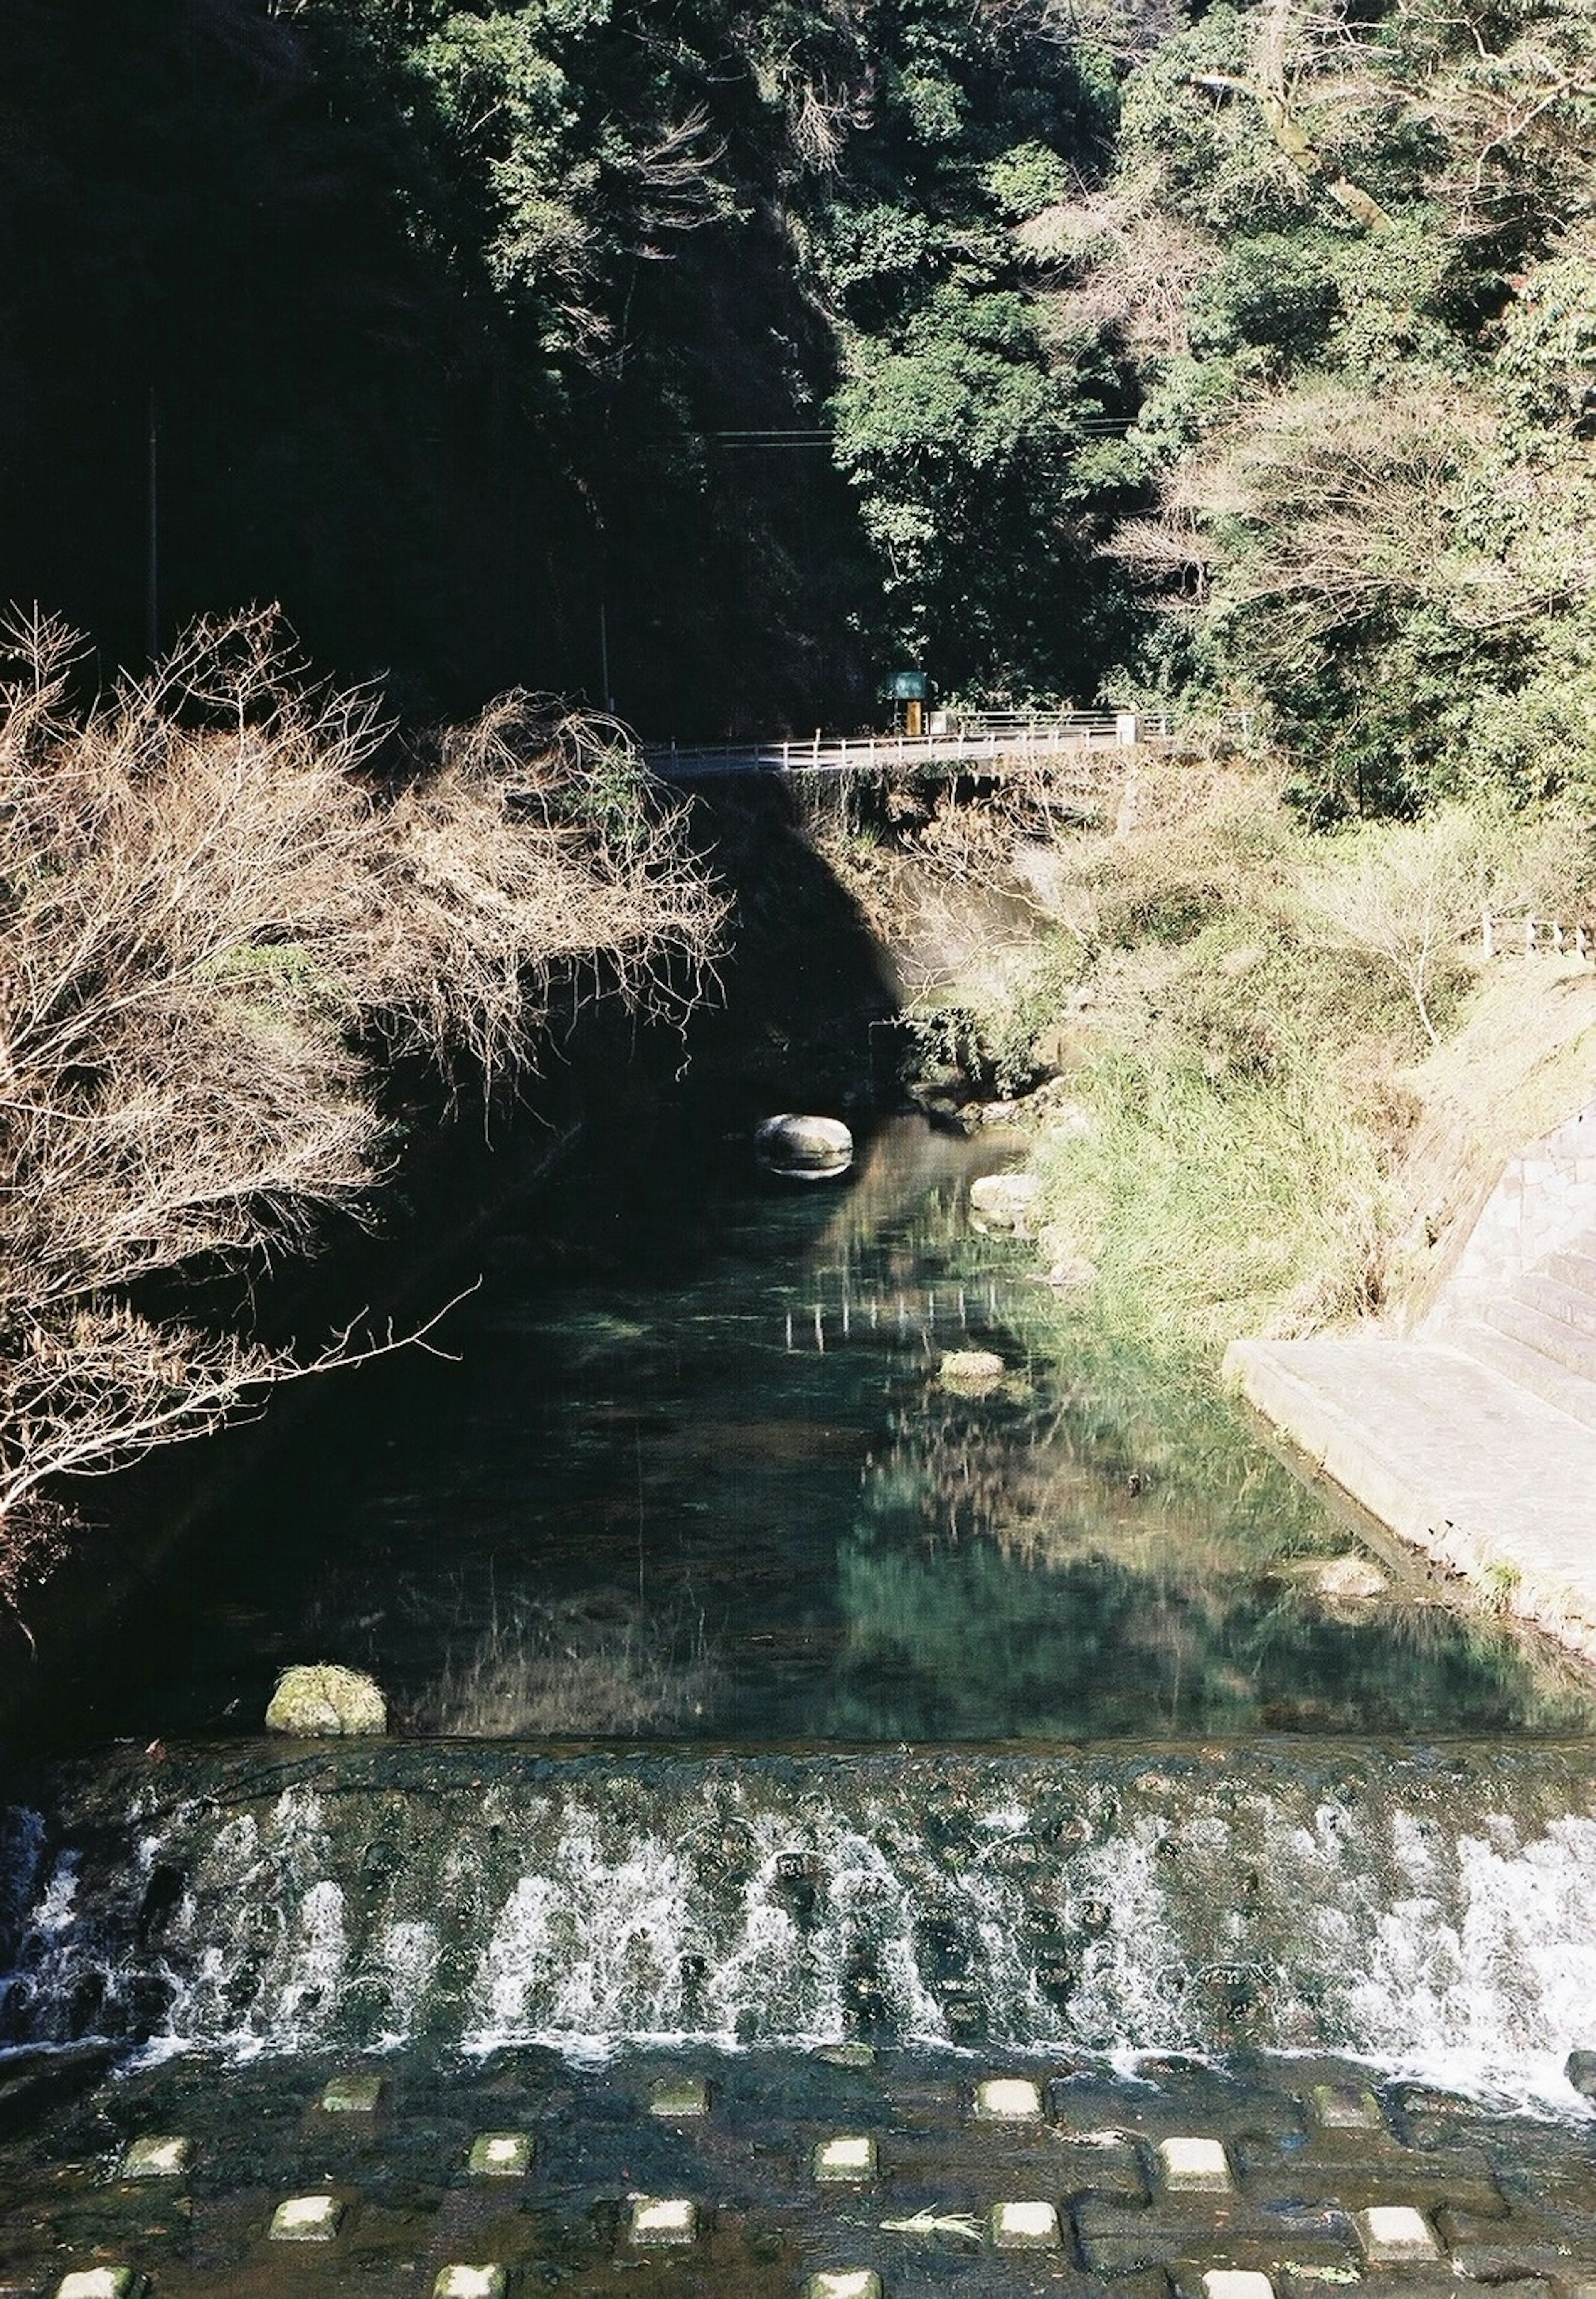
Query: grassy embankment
[1283, 1073]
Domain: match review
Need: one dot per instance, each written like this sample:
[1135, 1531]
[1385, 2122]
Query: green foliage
[1548, 356]
[955, 434]
[450, 314]
[1024, 181]
[1275, 291]
[1371, 449]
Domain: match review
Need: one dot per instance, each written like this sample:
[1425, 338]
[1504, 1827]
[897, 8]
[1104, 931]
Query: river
[763, 1702]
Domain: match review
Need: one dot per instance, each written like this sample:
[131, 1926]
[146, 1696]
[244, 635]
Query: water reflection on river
[700, 1480]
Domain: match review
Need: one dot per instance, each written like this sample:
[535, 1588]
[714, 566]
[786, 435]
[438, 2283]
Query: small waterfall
[1430, 1910]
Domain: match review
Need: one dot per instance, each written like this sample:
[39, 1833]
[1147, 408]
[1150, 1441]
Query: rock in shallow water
[1351, 1579]
[323, 1701]
[804, 1149]
[1004, 1201]
[970, 1372]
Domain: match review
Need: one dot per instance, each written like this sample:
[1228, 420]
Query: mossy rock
[321, 1701]
[970, 1372]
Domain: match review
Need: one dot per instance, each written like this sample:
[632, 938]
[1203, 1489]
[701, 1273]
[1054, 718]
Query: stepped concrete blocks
[500, 2155]
[662, 2220]
[1237, 2283]
[1009, 2099]
[471, 2283]
[679, 2095]
[1394, 2235]
[102, 2282]
[849, 2157]
[1194, 2167]
[157, 2158]
[306, 2219]
[357, 2094]
[844, 2283]
[1024, 2226]
[1345, 2107]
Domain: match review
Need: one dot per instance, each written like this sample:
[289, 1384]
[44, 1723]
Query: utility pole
[153, 561]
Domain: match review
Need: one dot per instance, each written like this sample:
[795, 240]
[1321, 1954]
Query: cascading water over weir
[1429, 1909]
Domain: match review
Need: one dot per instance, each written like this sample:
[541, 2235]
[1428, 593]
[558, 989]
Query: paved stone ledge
[1284, 2179]
[1485, 1478]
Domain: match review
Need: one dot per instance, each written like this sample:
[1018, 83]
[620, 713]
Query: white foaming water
[1416, 1918]
[1490, 1974]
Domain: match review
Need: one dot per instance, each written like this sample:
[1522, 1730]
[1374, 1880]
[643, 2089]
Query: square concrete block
[1024, 2226]
[661, 2220]
[1394, 2235]
[157, 2159]
[102, 2282]
[352, 2094]
[1009, 2099]
[675, 2096]
[1345, 2107]
[1237, 2283]
[844, 2283]
[1194, 2167]
[471, 2283]
[847, 2158]
[500, 2155]
[306, 2219]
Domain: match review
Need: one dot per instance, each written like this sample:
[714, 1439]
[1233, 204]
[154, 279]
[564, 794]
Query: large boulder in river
[322, 1701]
[804, 1149]
[1005, 1201]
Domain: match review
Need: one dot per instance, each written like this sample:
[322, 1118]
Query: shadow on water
[693, 1473]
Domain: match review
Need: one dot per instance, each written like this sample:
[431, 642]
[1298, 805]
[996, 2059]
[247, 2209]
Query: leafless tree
[218, 922]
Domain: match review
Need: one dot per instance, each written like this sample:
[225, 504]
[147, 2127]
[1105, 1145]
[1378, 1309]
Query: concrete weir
[1476, 1439]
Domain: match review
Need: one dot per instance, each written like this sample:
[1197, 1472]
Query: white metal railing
[850, 753]
[1519, 934]
[986, 734]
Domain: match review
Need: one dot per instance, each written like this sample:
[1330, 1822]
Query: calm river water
[696, 1479]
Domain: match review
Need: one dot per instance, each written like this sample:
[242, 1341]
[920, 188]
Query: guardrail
[991, 738]
[991, 735]
[1520, 934]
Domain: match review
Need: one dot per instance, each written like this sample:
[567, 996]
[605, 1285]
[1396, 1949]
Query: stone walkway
[845, 2175]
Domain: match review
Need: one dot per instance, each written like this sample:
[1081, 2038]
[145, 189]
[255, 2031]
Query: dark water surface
[697, 1478]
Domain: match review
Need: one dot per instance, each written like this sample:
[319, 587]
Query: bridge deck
[822, 753]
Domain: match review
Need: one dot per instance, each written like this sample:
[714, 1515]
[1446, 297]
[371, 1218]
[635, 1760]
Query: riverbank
[1276, 1076]
[1269, 1079]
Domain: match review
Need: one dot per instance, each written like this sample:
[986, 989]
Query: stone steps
[1572, 1304]
[1572, 1268]
[1544, 1354]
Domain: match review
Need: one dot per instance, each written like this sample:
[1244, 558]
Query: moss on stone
[322, 1701]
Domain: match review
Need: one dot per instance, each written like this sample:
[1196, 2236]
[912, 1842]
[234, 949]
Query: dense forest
[715, 359]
